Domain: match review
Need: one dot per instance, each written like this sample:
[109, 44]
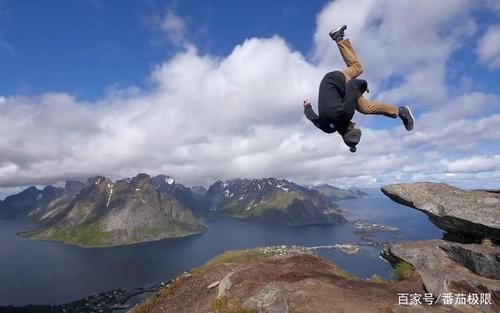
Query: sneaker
[338, 33]
[407, 117]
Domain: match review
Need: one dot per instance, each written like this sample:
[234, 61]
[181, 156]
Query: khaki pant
[353, 70]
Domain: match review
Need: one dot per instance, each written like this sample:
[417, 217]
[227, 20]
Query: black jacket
[336, 102]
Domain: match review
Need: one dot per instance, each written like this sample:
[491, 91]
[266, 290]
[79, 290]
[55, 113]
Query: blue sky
[83, 47]
[205, 90]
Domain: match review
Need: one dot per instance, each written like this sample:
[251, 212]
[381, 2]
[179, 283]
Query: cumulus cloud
[474, 164]
[240, 115]
[488, 48]
[406, 41]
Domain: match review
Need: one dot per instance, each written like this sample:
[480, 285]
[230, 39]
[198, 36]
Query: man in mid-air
[341, 93]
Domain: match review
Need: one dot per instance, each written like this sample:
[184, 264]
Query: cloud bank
[240, 115]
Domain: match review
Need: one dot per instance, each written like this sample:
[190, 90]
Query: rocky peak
[242, 188]
[72, 188]
[164, 181]
[140, 181]
[33, 202]
[189, 198]
[248, 187]
[199, 190]
[167, 179]
[51, 192]
[96, 180]
[335, 193]
[19, 204]
[129, 210]
[271, 200]
[141, 177]
[30, 190]
[95, 189]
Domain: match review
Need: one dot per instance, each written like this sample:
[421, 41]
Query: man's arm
[314, 118]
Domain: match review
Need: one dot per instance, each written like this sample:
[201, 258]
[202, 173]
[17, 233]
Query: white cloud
[474, 164]
[406, 40]
[209, 117]
[2, 99]
[174, 26]
[488, 48]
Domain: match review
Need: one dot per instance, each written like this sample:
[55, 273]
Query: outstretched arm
[314, 118]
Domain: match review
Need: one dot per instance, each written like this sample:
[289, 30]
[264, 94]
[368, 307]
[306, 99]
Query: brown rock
[476, 213]
[436, 262]
[270, 299]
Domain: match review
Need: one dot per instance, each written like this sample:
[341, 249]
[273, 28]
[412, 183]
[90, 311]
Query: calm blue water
[39, 272]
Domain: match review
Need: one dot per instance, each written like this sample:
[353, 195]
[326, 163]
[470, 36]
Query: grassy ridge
[94, 235]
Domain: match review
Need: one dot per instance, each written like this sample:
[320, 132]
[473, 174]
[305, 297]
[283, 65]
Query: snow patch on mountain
[110, 186]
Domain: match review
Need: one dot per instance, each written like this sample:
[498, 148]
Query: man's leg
[354, 67]
[366, 106]
[353, 70]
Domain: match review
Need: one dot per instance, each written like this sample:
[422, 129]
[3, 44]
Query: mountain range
[335, 193]
[106, 213]
[101, 212]
[271, 200]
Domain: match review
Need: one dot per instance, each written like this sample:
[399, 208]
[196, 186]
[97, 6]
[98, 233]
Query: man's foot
[338, 33]
[407, 117]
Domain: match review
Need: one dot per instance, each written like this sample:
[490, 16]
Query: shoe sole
[343, 27]
[413, 118]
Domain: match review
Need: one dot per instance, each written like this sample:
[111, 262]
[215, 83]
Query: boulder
[482, 260]
[224, 285]
[452, 267]
[214, 284]
[270, 299]
[474, 213]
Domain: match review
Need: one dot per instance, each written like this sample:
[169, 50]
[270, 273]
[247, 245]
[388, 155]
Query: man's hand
[306, 103]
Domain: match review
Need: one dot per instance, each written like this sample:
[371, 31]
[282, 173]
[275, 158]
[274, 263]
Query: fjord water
[41, 272]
